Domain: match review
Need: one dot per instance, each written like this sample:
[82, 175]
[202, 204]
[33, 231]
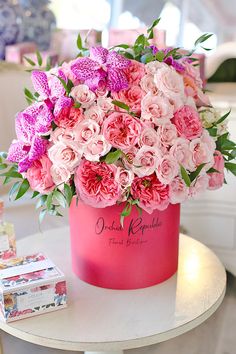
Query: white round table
[102, 320]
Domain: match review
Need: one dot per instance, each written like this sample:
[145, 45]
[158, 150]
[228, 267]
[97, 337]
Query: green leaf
[39, 58]
[42, 214]
[3, 154]
[49, 201]
[212, 131]
[154, 24]
[223, 117]
[7, 180]
[60, 198]
[160, 56]
[12, 174]
[41, 201]
[13, 189]
[231, 167]
[213, 170]
[23, 189]
[79, 42]
[28, 94]
[77, 105]
[48, 64]
[30, 61]
[121, 105]
[68, 194]
[147, 58]
[203, 38]
[3, 166]
[193, 175]
[35, 194]
[185, 176]
[112, 157]
[124, 46]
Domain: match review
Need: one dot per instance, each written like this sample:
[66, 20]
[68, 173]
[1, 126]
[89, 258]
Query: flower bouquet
[120, 127]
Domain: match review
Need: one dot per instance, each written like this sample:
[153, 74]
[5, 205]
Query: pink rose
[216, 179]
[149, 137]
[150, 192]
[96, 148]
[96, 185]
[167, 169]
[83, 95]
[135, 72]
[65, 154]
[128, 157]
[96, 113]
[131, 97]
[69, 117]
[152, 67]
[105, 103]
[193, 72]
[156, 109]
[39, 176]
[167, 134]
[201, 153]
[148, 85]
[124, 177]
[187, 122]
[60, 174]
[178, 191]
[122, 130]
[145, 161]
[171, 84]
[199, 185]
[86, 131]
[62, 134]
[180, 151]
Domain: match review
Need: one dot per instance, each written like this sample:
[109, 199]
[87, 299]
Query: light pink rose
[209, 141]
[96, 185]
[131, 97]
[96, 113]
[105, 103]
[167, 134]
[60, 174]
[65, 154]
[39, 176]
[62, 134]
[171, 84]
[124, 177]
[122, 130]
[202, 99]
[156, 109]
[148, 85]
[135, 72]
[145, 161]
[96, 148]
[149, 137]
[128, 157]
[150, 192]
[83, 95]
[152, 67]
[199, 185]
[180, 151]
[167, 169]
[86, 132]
[201, 153]
[216, 179]
[178, 191]
[193, 72]
[188, 122]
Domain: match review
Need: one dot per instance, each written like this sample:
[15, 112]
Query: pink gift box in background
[29, 286]
[15, 53]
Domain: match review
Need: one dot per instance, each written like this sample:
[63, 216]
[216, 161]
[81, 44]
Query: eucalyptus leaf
[23, 189]
[14, 189]
[223, 117]
[30, 61]
[68, 194]
[60, 198]
[42, 215]
[39, 58]
[203, 38]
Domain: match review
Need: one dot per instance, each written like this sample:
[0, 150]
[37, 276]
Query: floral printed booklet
[29, 286]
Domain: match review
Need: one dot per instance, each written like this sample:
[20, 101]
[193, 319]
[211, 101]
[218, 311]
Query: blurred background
[52, 27]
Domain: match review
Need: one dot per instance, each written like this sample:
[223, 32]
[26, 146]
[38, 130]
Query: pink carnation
[96, 184]
[122, 130]
[151, 193]
[187, 122]
[216, 179]
[39, 176]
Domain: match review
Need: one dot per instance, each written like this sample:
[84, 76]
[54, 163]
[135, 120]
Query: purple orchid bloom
[102, 65]
[33, 122]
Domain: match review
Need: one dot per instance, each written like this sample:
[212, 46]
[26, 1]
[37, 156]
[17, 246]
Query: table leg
[109, 352]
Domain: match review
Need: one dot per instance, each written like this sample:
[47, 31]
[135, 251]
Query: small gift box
[16, 52]
[29, 286]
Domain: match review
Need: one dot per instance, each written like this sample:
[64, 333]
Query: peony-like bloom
[83, 95]
[145, 161]
[60, 174]
[171, 84]
[188, 123]
[96, 148]
[124, 177]
[178, 191]
[132, 97]
[65, 154]
[157, 109]
[167, 169]
[122, 130]
[96, 184]
[134, 72]
[96, 113]
[39, 176]
[86, 132]
[151, 193]
[216, 179]
[180, 151]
